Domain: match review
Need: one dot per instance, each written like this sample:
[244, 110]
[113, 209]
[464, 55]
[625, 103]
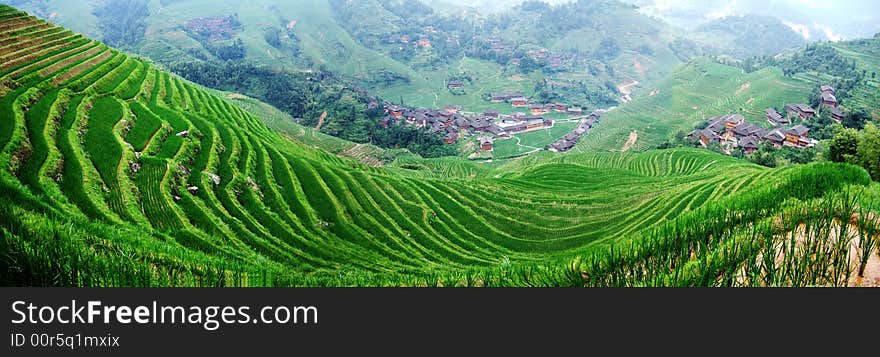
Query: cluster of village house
[451, 122]
[517, 100]
[571, 139]
[732, 129]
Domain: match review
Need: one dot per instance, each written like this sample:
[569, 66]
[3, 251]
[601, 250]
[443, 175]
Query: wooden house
[827, 89]
[774, 118]
[775, 137]
[561, 108]
[801, 110]
[563, 145]
[748, 145]
[837, 115]
[733, 121]
[535, 123]
[486, 143]
[707, 136]
[519, 102]
[451, 138]
[795, 135]
[395, 111]
[829, 100]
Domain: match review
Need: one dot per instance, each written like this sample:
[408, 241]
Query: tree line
[352, 114]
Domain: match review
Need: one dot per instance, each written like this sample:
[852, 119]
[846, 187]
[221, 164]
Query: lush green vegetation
[214, 197]
[694, 92]
[747, 36]
[350, 114]
[122, 22]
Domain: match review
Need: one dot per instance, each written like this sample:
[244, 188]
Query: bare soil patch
[633, 138]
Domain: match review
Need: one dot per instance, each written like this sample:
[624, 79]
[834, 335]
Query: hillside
[747, 36]
[588, 44]
[116, 173]
[692, 93]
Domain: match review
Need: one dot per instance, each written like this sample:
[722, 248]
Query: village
[453, 124]
[732, 131]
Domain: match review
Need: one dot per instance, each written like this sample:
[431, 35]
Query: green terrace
[116, 173]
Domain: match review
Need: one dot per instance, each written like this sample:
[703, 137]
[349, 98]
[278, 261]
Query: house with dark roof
[560, 107]
[775, 118]
[451, 138]
[486, 143]
[829, 100]
[455, 85]
[837, 115]
[516, 128]
[707, 136]
[562, 145]
[519, 102]
[794, 135]
[571, 137]
[504, 97]
[395, 111]
[744, 130]
[801, 110]
[492, 114]
[480, 124]
[575, 111]
[758, 134]
[537, 109]
[748, 145]
[497, 131]
[436, 128]
[776, 137]
[717, 125]
[827, 89]
[733, 120]
[419, 119]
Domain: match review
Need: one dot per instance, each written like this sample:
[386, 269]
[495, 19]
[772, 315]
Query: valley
[116, 172]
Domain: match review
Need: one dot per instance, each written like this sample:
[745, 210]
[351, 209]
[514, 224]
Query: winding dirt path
[633, 138]
[321, 120]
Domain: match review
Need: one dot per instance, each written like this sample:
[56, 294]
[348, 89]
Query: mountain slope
[694, 92]
[748, 36]
[286, 34]
[116, 173]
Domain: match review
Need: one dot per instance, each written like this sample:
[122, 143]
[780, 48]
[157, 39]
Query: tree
[609, 48]
[869, 150]
[765, 156]
[122, 22]
[856, 119]
[844, 146]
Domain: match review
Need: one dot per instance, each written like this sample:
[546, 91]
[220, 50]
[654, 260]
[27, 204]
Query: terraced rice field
[693, 93]
[165, 174]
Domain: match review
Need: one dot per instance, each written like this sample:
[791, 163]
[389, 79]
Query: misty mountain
[815, 20]
[748, 36]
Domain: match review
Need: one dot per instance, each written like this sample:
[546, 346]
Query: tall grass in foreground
[798, 233]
